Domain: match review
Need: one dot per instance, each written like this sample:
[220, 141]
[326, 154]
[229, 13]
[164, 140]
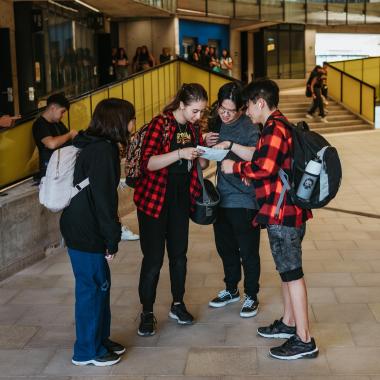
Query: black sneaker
[277, 329]
[110, 358]
[250, 307]
[112, 346]
[295, 348]
[147, 324]
[224, 297]
[180, 313]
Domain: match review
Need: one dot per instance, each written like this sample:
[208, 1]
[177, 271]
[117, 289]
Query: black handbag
[206, 206]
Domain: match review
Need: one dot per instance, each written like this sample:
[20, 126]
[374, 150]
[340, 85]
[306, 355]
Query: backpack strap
[80, 186]
[205, 196]
[285, 186]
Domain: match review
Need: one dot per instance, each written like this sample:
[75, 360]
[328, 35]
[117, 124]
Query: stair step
[351, 128]
[321, 124]
[329, 117]
[305, 107]
[298, 114]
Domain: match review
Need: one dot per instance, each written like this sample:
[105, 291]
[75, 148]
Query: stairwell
[295, 106]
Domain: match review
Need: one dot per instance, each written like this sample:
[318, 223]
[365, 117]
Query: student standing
[285, 227]
[164, 196]
[237, 240]
[91, 228]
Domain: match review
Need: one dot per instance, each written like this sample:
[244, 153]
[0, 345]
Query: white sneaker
[309, 116]
[127, 234]
[324, 120]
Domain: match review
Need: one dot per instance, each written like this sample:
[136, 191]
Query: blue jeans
[92, 303]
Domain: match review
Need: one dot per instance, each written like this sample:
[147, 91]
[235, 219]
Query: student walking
[237, 240]
[164, 195]
[286, 228]
[91, 228]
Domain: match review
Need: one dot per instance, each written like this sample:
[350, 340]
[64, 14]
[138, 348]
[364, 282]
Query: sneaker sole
[95, 363]
[173, 316]
[129, 239]
[120, 352]
[139, 333]
[275, 336]
[222, 304]
[249, 315]
[306, 355]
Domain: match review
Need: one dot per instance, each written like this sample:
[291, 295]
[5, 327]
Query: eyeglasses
[226, 111]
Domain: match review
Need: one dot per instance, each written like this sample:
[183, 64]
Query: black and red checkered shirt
[150, 189]
[273, 151]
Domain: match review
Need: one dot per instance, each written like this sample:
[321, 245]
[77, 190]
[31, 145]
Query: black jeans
[238, 242]
[317, 103]
[172, 228]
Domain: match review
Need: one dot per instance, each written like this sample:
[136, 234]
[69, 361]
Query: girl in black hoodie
[91, 228]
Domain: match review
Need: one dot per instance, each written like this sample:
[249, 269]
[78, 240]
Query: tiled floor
[342, 265]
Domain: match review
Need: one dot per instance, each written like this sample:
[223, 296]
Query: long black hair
[110, 120]
[188, 93]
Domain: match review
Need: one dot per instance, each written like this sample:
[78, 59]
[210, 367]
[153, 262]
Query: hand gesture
[189, 153]
[211, 138]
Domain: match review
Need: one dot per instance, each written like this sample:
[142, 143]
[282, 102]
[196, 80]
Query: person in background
[286, 225]
[112, 69]
[136, 60]
[214, 61]
[91, 228]
[237, 240]
[226, 63]
[165, 56]
[205, 57]
[324, 88]
[7, 121]
[146, 59]
[49, 132]
[197, 55]
[164, 195]
[121, 66]
[316, 83]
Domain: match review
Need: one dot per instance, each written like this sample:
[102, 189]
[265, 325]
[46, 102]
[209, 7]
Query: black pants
[172, 228]
[237, 242]
[317, 103]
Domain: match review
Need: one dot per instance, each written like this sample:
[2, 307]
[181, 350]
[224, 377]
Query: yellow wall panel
[215, 83]
[338, 65]
[334, 83]
[98, 97]
[155, 93]
[190, 74]
[372, 73]
[354, 68]
[168, 95]
[161, 87]
[368, 105]
[128, 92]
[148, 106]
[18, 153]
[138, 83]
[116, 91]
[351, 93]
[80, 114]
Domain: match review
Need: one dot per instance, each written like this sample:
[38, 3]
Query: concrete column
[310, 49]
[235, 53]
[7, 21]
[251, 68]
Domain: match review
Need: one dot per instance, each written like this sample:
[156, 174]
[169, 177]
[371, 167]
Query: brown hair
[188, 93]
[110, 120]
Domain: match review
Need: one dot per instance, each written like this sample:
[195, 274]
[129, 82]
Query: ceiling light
[87, 6]
[62, 6]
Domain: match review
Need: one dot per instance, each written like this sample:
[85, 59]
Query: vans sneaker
[250, 307]
[112, 346]
[277, 329]
[180, 313]
[324, 120]
[295, 348]
[147, 325]
[127, 234]
[224, 297]
[110, 358]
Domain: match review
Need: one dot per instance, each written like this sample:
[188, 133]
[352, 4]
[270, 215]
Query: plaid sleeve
[267, 159]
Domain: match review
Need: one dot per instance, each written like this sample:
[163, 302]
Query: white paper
[213, 154]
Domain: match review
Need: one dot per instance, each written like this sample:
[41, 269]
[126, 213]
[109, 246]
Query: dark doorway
[6, 90]
[244, 56]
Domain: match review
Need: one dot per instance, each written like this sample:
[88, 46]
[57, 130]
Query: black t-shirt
[41, 129]
[181, 139]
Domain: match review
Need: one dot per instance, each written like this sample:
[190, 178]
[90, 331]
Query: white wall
[235, 53]
[154, 33]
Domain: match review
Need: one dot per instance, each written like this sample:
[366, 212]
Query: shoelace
[224, 293]
[150, 320]
[248, 301]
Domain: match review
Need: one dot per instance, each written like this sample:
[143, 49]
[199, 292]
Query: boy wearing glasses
[286, 226]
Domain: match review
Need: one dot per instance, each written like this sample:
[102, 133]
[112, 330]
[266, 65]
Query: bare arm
[244, 152]
[55, 142]
[163, 160]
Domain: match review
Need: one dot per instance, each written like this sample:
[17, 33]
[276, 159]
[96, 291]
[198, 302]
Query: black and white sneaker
[277, 329]
[250, 307]
[224, 298]
[110, 358]
[295, 348]
[112, 346]
[147, 325]
[180, 313]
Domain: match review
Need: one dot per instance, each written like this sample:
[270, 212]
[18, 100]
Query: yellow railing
[148, 91]
[366, 70]
[355, 94]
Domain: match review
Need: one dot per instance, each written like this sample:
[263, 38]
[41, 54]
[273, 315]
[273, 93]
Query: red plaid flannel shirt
[150, 189]
[273, 151]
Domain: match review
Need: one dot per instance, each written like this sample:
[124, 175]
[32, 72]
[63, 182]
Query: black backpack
[309, 145]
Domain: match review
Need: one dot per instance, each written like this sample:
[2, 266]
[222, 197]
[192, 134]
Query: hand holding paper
[212, 154]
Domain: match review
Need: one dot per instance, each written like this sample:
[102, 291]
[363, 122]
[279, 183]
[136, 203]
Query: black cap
[59, 99]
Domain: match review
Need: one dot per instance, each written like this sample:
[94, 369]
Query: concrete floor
[342, 266]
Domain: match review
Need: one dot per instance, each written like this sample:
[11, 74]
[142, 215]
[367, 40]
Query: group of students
[206, 56]
[165, 194]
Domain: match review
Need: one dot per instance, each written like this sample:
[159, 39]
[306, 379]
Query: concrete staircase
[294, 107]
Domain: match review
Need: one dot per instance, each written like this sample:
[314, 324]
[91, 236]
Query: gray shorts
[285, 243]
